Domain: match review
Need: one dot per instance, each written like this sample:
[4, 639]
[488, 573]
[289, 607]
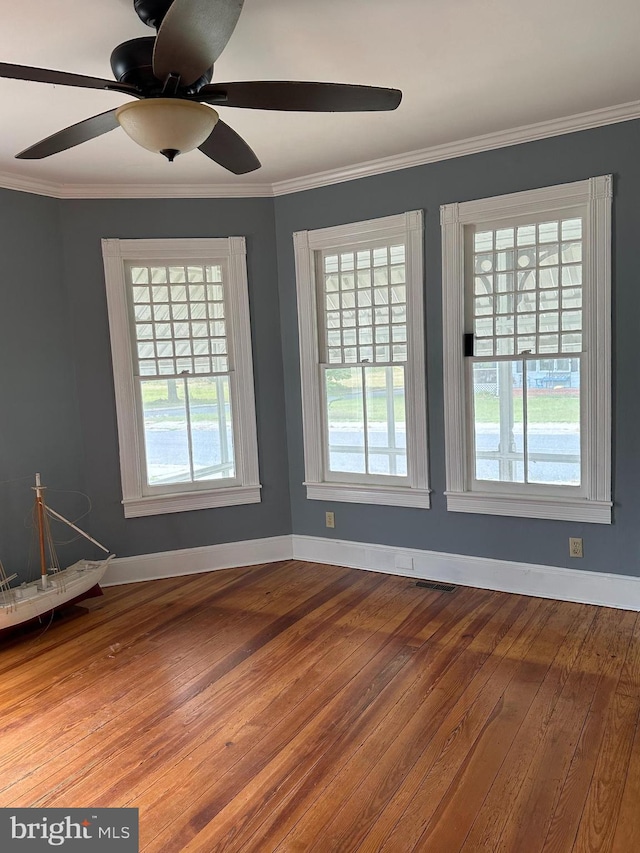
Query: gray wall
[39, 423]
[83, 225]
[58, 410]
[573, 157]
[58, 413]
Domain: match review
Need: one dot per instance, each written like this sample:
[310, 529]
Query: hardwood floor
[301, 707]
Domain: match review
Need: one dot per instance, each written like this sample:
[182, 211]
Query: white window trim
[595, 195]
[409, 228]
[233, 249]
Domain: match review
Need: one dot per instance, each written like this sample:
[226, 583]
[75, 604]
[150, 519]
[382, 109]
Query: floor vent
[440, 587]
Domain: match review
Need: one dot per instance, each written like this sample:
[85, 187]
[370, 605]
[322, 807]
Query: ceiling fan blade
[192, 36]
[61, 78]
[71, 136]
[303, 97]
[230, 150]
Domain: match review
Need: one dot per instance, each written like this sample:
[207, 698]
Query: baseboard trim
[192, 561]
[604, 589]
[600, 588]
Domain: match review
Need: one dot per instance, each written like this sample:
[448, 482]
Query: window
[181, 347]
[360, 320]
[527, 315]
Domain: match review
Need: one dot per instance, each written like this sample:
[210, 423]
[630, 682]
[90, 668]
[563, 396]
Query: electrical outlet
[330, 519]
[575, 547]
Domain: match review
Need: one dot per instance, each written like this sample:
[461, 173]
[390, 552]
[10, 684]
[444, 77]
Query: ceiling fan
[170, 75]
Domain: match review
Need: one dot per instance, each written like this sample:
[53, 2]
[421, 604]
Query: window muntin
[362, 296]
[364, 305]
[558, 376]
[188, 429]
[179, 318]
[360, 318]
[527, 287]
[181, 350]
[182, 370]
[365, 421]
[524, 290]
[525, 431]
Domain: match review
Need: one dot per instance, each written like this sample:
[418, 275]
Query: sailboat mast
[40, 513]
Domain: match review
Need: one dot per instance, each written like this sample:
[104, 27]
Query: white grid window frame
[526, 282]
[412, 490]
[590, 199]
[138, 498]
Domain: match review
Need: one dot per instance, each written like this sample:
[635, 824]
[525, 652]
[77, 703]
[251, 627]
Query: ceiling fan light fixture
[167, 124]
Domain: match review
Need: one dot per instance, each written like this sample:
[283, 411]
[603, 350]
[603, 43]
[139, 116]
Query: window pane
[359, 298]
[553, 423]
[497, 418]
[189, 315]
[550, 421]
[532, 265]
[345, 420]
[366, 421]
[187, 439]
[165, 431]
[386, 424]
[211, 428]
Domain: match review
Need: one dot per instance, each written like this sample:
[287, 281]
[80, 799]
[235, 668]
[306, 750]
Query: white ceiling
[466, 68]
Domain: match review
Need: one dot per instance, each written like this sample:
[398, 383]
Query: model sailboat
[55, 586]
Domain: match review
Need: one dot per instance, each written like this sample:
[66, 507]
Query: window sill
[187, 501]
[381, 495]
[560, 509]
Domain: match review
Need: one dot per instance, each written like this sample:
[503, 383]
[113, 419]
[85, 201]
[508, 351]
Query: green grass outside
[542, 408]
[156, 395]
[348, 409]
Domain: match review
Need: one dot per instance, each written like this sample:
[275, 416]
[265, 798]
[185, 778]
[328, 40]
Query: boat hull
[25, 603]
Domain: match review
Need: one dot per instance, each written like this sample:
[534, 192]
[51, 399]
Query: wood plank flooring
[302, 707]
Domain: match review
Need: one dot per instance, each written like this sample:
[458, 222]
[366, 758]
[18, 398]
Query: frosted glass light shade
[167, 124]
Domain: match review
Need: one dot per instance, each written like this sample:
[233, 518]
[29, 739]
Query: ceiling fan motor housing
[152, 12]
[132, 63]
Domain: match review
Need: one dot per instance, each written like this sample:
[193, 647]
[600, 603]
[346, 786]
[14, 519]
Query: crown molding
[98, 191]
[472, 145]
[447, 151]
[164, 191]
[28, 185]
